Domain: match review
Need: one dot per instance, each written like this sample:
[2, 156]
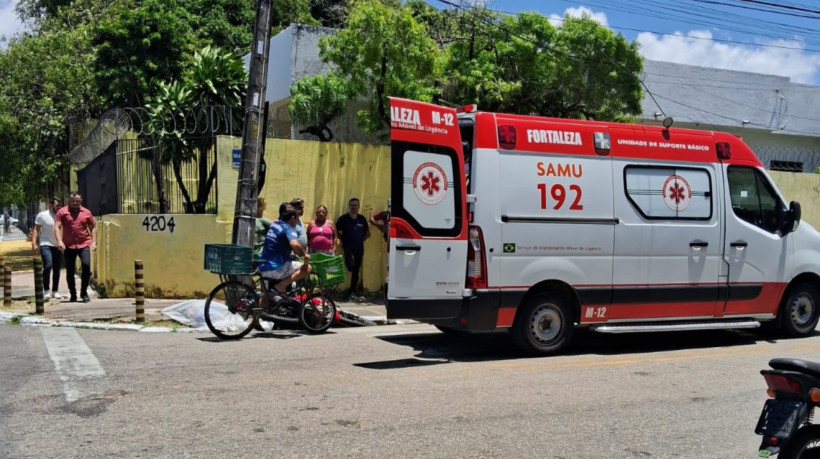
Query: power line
[775, 5]
[650, 93]
[705, 16]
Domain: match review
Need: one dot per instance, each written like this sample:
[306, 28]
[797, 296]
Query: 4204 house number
[158, 223]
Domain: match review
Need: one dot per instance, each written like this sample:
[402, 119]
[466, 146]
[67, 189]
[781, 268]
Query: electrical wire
[467, 8]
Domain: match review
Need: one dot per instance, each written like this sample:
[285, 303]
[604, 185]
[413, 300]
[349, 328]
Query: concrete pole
[38, 284]
[254, 134]
[7, 286]
[139, 287]
[2, 270]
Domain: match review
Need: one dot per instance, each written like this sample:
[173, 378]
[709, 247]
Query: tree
[216, 79]
[227, 24]
[522, 64]
[316, 101]
[515, 64]
[382, 52]
[46, 84]
[330, 13]
[139, 47]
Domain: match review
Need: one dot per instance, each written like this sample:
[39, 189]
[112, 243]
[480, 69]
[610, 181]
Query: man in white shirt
[42, 242]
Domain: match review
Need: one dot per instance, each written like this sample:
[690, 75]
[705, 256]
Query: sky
[783, 39]
[728, 34]
[9, 23]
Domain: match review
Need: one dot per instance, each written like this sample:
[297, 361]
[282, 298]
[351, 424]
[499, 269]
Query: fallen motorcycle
[786, 420]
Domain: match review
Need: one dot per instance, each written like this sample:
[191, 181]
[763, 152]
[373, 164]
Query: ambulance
[540, 226]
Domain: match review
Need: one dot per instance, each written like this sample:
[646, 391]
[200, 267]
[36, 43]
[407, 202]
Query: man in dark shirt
[353, 231]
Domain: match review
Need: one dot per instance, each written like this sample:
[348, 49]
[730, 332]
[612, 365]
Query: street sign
[237, 155]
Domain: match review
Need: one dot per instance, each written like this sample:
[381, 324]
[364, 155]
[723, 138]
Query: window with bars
[786, 166]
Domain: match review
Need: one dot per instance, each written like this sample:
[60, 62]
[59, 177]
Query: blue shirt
[276, 251]
[352, 232]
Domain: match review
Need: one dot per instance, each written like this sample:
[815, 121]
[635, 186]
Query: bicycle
[233, 307]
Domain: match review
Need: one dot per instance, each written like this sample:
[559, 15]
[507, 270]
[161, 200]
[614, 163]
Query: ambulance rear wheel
[800, 310]
[544, 324]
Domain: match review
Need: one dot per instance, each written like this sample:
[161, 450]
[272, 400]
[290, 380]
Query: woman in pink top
[321, 233]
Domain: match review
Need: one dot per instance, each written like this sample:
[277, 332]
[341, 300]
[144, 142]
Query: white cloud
[697, 48]
[600, 18]
[9, 22]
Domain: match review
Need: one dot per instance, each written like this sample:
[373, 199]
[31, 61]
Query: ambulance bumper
[477, 312]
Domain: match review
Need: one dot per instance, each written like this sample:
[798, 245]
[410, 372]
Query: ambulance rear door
[428, 226]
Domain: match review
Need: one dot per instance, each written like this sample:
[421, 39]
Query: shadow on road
[437, 348]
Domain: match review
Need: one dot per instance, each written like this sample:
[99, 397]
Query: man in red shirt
[75, 232]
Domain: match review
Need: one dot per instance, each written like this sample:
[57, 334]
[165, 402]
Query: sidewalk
[123, 310]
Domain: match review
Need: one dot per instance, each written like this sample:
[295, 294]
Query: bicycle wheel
[317, 312]
[231, 310]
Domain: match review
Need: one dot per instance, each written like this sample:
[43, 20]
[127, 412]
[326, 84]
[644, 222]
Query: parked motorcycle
[786, 420]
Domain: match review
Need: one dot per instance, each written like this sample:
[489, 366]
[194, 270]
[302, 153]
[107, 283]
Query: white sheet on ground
[192, 314]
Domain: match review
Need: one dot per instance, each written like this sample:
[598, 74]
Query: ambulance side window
[669, 193]
[753, 198]
[426, 193]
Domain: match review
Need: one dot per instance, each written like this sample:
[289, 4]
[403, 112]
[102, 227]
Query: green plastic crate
[329, 269]
[228, 259]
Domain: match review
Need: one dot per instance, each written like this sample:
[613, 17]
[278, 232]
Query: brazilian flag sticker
[509, 247]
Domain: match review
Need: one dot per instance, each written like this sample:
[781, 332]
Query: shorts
[283, 271]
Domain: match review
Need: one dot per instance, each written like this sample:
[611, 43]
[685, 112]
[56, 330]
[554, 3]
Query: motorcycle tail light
[781, 383]
[814, 395]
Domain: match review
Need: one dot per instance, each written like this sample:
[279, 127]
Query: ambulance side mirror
[792, 219]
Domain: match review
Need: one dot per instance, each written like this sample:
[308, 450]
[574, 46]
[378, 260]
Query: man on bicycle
[280, 241]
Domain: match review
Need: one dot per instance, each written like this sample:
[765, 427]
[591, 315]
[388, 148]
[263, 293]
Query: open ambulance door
[428, 224]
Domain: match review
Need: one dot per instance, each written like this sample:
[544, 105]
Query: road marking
[79, 370]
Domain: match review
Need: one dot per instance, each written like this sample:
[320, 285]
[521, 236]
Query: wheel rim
[546, 324]
[229, 310]
[801, 310]
[317, 317]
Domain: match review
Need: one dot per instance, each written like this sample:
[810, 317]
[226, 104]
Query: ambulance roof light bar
[472, 108]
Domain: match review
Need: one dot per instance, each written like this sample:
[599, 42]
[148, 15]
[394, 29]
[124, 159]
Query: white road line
[79, 370]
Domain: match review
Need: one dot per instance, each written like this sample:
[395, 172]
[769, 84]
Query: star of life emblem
[677, 194]
[430, 183]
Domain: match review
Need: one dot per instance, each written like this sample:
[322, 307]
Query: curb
[28, 320]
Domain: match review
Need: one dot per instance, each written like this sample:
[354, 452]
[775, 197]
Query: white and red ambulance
[542, 225]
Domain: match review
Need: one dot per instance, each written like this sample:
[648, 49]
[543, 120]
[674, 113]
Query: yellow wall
[173, 261]
[328, 173]
[803, 188]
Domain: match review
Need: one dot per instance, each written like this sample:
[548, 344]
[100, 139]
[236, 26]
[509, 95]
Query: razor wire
[141, 122]
[788, 159]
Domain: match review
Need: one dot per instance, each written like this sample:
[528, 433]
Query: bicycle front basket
[228, 259]
[330, 269]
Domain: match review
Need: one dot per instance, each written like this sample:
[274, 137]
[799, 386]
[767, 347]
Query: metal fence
[147, 185]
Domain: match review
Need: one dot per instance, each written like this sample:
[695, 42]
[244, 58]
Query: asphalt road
[397, 391]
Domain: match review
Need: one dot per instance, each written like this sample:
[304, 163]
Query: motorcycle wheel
[805, 444]
[317, 313]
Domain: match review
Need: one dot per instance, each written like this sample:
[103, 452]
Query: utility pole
[253, 138]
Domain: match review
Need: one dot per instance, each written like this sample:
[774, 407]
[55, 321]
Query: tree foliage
[506, 63]
[45, 85]
[382, 51]
[139, 47]
[216, 78]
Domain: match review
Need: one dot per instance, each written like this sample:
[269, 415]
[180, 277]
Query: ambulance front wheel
[544, 324]
[800, 310]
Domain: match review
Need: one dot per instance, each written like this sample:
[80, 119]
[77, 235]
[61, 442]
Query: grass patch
[14, 320]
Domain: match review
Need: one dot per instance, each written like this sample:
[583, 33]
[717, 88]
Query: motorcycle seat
[798, 365]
